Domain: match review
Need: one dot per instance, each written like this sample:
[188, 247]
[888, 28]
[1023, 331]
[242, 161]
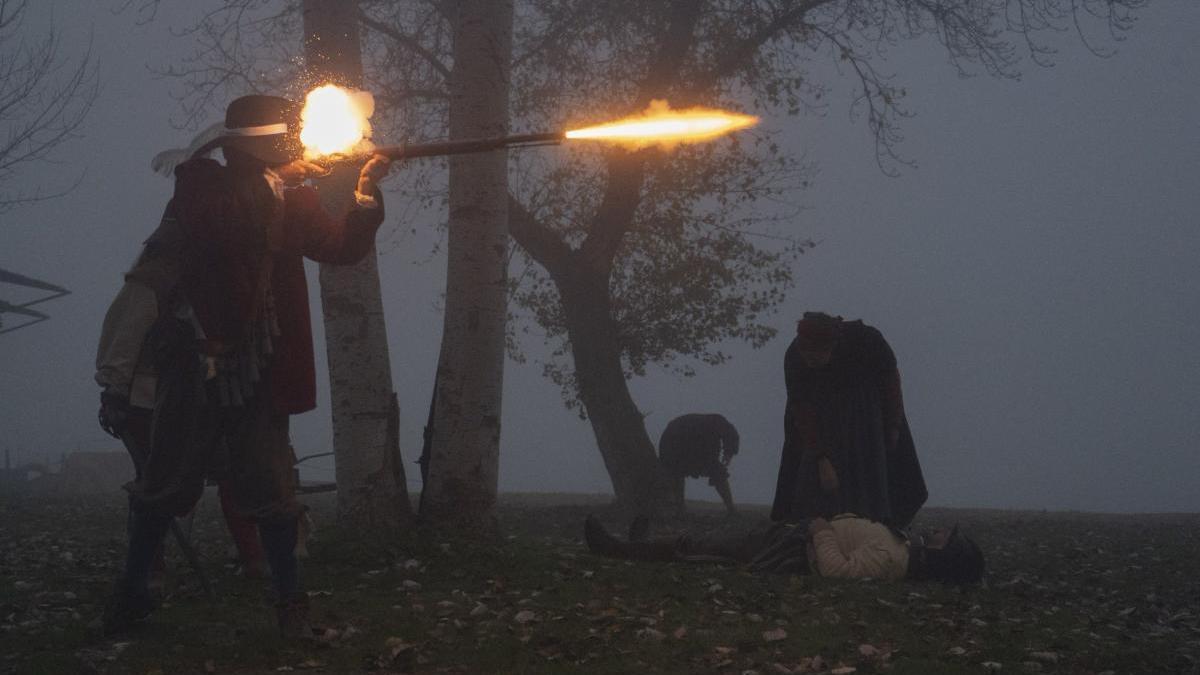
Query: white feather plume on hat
[164, 163]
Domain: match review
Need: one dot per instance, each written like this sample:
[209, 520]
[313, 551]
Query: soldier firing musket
[211, 337]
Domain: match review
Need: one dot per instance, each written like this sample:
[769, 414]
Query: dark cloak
[840, 407]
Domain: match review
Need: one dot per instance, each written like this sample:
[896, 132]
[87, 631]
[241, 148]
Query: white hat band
[262, 130]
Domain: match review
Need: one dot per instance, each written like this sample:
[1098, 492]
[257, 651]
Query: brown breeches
[191, 437]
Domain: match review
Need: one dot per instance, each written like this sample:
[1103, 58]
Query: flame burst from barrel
[661, 126]
[335, 121]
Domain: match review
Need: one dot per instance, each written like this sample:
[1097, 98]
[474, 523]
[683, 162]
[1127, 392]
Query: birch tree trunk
[370, 478]
[464, 463]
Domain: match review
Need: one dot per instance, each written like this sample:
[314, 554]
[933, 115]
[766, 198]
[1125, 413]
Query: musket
[465, 146]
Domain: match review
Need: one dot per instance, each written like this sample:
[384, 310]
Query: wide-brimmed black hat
[265, 127]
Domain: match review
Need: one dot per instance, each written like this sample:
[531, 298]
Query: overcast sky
[1036, 275]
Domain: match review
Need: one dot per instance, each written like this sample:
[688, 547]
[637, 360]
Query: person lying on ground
[846, 547]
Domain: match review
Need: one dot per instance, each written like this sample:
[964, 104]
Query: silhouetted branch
[39, 111]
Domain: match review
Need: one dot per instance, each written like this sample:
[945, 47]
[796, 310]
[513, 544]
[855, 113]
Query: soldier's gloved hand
[300, 170]
[372, 172]
[114, 413]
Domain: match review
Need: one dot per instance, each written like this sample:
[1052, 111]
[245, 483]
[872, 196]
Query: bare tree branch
[39, 111]
[540, 241]
[406, 42]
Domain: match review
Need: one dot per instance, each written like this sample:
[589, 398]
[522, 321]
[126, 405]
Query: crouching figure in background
[698, 446]
[846, 547]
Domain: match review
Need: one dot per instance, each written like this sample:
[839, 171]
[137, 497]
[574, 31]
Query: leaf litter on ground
[1066, 593]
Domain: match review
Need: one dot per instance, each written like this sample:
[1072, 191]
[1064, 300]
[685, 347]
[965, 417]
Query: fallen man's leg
[779, 548]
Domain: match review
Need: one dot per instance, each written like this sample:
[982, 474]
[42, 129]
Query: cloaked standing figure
[698, 445]
[212, 333]
[847, 446]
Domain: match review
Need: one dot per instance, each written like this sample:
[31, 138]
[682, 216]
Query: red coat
[225, 249]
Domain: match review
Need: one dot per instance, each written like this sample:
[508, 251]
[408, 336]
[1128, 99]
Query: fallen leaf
[525, 616]
[397, 643]
[651, 634]
[775, 635]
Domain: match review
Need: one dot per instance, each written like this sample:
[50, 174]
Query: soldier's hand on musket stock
[372, 172]
[296, 172]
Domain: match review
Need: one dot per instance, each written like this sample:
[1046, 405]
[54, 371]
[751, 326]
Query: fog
[1035, 274]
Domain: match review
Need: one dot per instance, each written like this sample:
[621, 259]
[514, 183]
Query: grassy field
[1066, 593]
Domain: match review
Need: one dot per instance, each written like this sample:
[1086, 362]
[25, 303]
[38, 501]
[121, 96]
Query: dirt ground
[1066, 593]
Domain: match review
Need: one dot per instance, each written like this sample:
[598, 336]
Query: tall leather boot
[291, 608]
[131, 601]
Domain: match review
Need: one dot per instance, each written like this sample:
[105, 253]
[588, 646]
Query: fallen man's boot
[600, 542]
[126, 609]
